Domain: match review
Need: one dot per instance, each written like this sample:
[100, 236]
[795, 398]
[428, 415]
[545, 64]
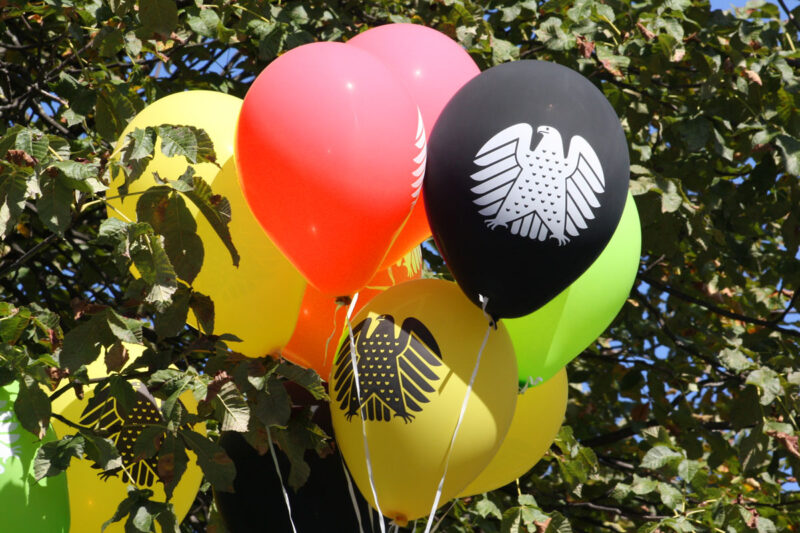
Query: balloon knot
[400, 519]
[343, 300]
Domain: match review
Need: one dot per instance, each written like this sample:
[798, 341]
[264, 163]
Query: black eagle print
[103, 414]
[394, 369]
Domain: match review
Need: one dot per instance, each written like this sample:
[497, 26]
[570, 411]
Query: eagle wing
[345, 385]
[415, 362]
[585, 180]
[501, 158]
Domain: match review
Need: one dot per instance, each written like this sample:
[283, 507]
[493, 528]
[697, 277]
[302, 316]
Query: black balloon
[526, 179]
[257, 506]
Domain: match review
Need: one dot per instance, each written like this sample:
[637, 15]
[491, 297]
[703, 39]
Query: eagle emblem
[540, 193]
[102, 413]
[395, 369]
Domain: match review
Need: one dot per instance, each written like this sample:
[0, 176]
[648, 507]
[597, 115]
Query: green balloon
[41, 507]
[549, 338]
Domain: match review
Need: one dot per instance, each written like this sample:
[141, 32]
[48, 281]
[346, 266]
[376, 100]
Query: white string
[352, 496]
[361, 412]
[280, 478]
[484, 302]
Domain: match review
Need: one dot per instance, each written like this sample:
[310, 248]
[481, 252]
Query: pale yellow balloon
[408, 453]
[259, 301]
[94, 500]
[537, 419]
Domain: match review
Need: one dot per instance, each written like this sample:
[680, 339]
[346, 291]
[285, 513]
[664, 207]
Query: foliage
[682, 417]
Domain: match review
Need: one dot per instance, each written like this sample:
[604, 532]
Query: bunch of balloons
[344, 157]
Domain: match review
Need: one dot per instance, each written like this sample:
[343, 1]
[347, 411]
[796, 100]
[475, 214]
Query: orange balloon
[321, 320]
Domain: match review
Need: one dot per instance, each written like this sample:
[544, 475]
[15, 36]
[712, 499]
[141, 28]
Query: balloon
[526, 180]
[552, 336]
[432, 335]
[326, 157]
[323, 498]
[432, 67]
[28, 505]
[94, 495]
[258, 301]
[537, 419]
[321, 320]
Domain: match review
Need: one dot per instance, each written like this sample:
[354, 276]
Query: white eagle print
[540, 192]
[8, 435]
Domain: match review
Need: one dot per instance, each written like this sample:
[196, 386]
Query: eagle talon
[562, 240]
[491, 224]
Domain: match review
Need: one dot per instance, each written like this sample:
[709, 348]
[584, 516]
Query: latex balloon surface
[322, 320]
[325, 147]
[537, 419]
[94, 494]
[416, 346]
[526, 181]
[552, 336]
[432, 67]
[27, 505]
[258, 301]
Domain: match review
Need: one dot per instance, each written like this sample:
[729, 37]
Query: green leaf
[158, 17]
[217, 211]
[768, 383]
[205, 23]
[512, 521]
[32, 142]
[754, 450]
[152, 262]
[113, 111]
[54, 457]
[203, 309]
[670, 496]
[102, 452]
[32, 408]
[553, 36]
[172, 320]
[301, 434]
[503, 51]
[13, 325]
[215, 463]
[659, 456]
[486, 507]
[305, 377]
[790, 149]
[231, 408]
[83, 343]
[181, 241]
[642, 485]
[172, 463]
[13, 193]
[274, 407]
[192, 143]
[735, 360]
[55, 203]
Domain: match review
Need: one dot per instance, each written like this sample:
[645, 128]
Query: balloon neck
[399, 519]
[343, 300]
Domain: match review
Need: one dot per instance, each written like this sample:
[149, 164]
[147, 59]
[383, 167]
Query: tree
[682, 416]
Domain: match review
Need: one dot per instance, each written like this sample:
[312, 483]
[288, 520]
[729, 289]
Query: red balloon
[321, 321]
[433, 67]
[325, 152]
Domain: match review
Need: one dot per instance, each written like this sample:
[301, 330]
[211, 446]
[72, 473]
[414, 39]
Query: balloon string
[484, 302]
[330, 338]
[280, 478]
[361, 412]
[352, 496]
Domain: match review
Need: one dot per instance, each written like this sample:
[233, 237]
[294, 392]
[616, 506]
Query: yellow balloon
[259, 301]
[94, 497]
[537, 419]
[417, 344]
